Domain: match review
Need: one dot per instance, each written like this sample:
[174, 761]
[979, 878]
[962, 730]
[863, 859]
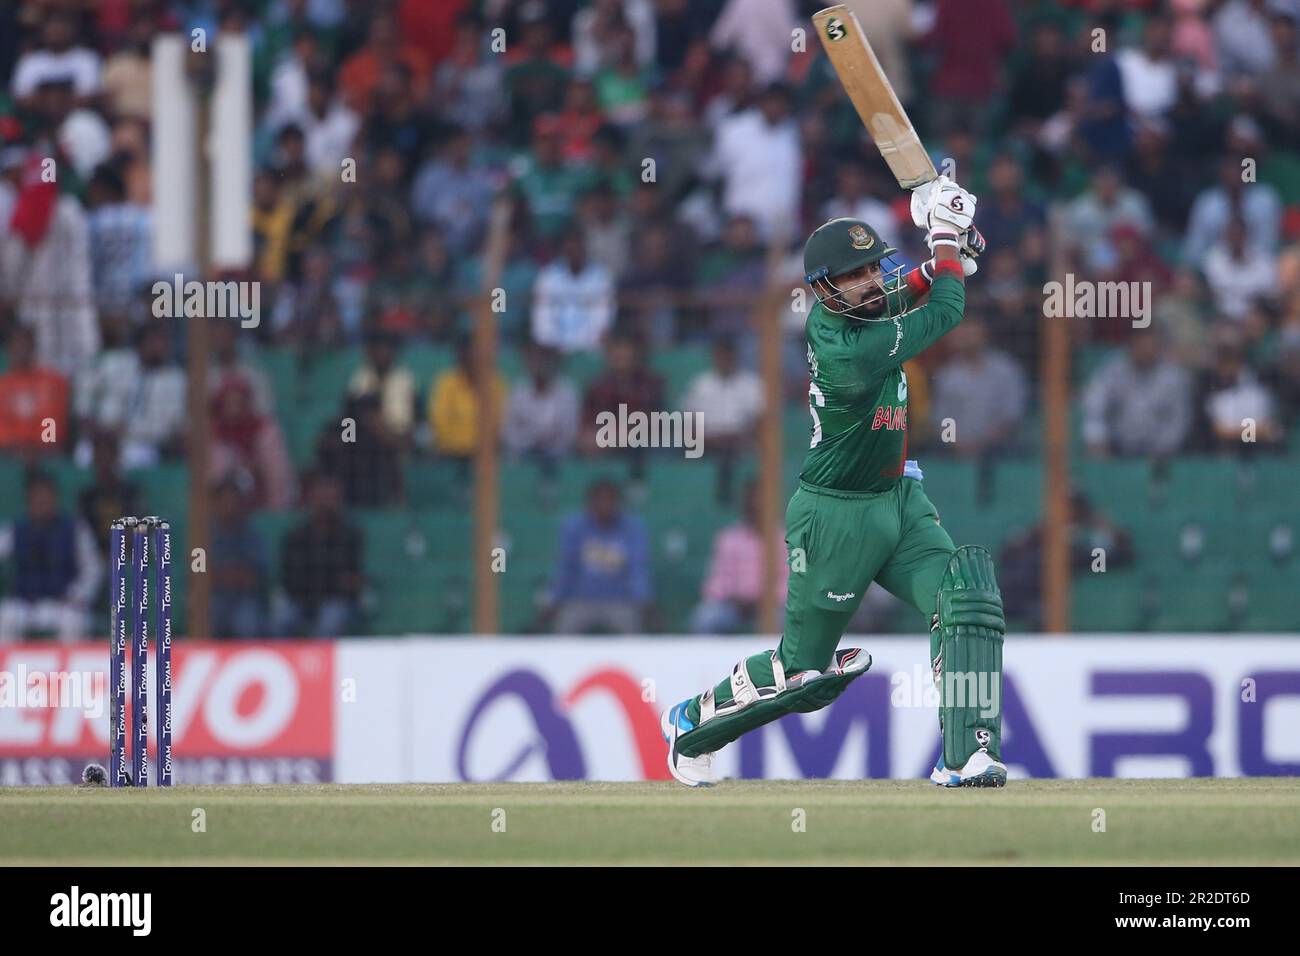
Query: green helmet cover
[840, 246]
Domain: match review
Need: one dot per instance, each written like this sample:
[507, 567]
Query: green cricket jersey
[857, 389]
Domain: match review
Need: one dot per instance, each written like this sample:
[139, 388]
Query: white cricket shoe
[691, 771]
[981, 770]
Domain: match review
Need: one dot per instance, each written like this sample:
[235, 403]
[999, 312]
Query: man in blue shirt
[602, 583]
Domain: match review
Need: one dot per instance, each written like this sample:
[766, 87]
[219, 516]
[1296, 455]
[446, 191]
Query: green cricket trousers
[837, 543]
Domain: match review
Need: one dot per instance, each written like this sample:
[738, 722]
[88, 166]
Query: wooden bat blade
[873, 96]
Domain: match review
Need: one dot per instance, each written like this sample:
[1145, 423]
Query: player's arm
[910, 291]
[946, 210]
[887, 345]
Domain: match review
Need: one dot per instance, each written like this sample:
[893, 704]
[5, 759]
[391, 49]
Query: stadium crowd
[657, 152]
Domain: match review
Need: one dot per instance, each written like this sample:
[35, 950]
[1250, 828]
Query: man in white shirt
[730, 399]
[573, 299]
[57, 56]
[757, 156]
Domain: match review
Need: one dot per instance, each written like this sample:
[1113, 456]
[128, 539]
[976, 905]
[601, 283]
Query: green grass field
[1240, 821]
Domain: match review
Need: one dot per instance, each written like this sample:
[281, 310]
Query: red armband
[949, 267]
[918, 283]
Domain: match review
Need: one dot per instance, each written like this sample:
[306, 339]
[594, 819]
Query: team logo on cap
[860, 238]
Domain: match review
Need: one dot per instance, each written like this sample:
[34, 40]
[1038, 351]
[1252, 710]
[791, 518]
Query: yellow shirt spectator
[454, 414]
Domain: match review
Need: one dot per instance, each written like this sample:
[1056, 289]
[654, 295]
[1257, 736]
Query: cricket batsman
[860, 513]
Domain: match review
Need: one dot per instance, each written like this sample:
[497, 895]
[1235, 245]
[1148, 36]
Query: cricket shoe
[981, 770]
[692, 771]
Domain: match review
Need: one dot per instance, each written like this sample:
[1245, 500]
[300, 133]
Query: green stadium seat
[1113, 601]
[1200, 485]
[11, 489]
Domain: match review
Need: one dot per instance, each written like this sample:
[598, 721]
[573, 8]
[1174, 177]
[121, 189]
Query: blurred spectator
[393, 123]
[273, 215]
[1020, 562]
[1040, 81]
[759, 31]
[128, 72]
[56, 568]
[321, 563]
[595, 29]
[606, 228]
[621, 85]
[602, 580]
[541, 419]
[1160, 175]
[1008, 219]
[730, 276]
[655, 282]
[1095, 100]
[1279, 86]
[573, 299]
[1091, 219]
[1240, 413]
[110, 495]
[730, 401]
[549, 186]
[856, 197]
[626, 381]
[676, 141]
[1192, 38]
[121, 237]
[82, 134]
[289, 81]
[757, 156]
[467, 84]
[1238, 272]
[45, 263]
[360, 74]
[736, 91]
[1139, 403]
[971, 42]
[1150, 72]
[1284, 376]
[140, 395]
[982, 390]
[579, 121]
[362, 455]
[34, 401]
[1241, 28]
[1184, 315]
[730, 398]
[1256, 205]
[733, 585]
[454, 413]
[394, 385]
[247, 445]
[239, 567]
[58, 56]
[889, 23]
[328, 126]
[454, 194]
[536, 81]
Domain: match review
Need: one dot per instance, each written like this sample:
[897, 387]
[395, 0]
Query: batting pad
[809, 694]
[971, 628]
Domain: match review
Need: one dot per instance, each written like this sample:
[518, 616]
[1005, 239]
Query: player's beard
[875, 303]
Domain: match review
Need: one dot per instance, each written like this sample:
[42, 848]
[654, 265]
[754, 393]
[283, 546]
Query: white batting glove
[951, 211]
[922, 197]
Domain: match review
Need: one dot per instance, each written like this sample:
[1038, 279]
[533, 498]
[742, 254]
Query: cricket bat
[873, 96]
